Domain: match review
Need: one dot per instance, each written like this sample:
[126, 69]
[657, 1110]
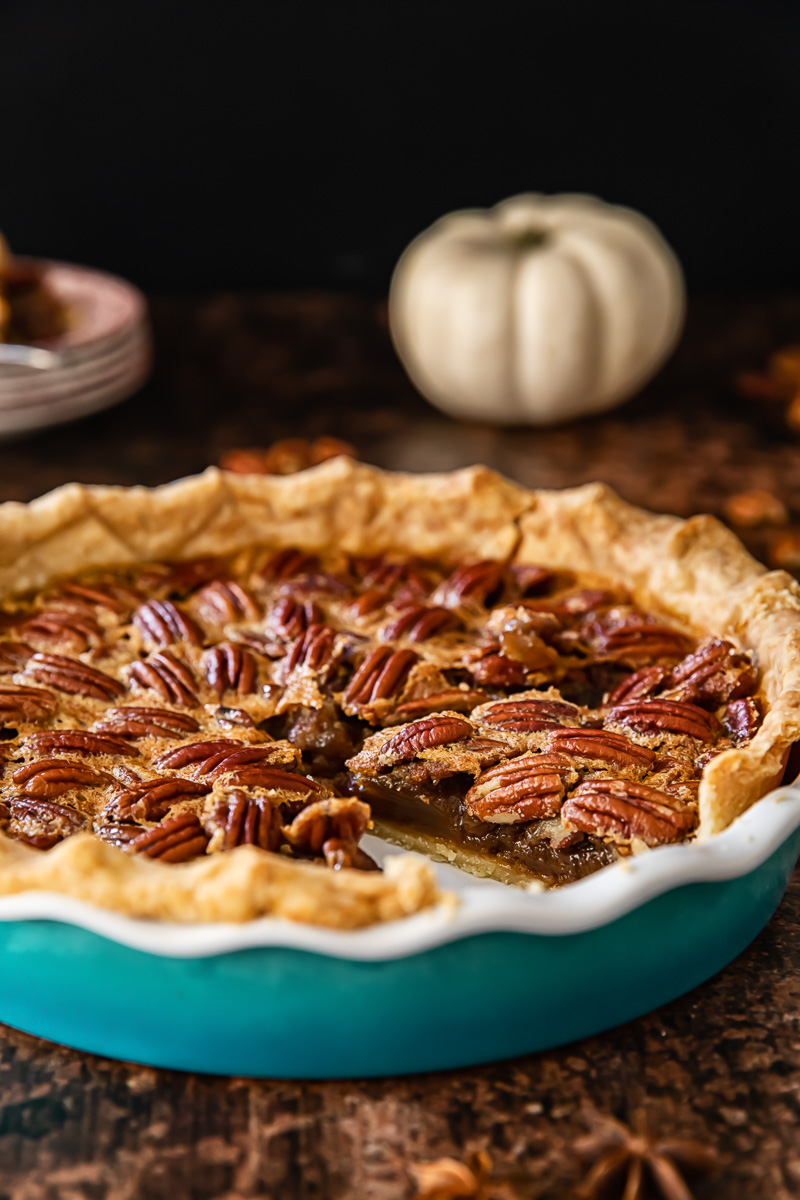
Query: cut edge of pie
[694, 571]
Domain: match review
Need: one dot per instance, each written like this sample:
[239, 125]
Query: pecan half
[117, 833]
[712, 675]
[50, 777]
[226, 716]
[117, 598]
[575, 603]
[271, 779]
[530, 715]
[134, 723]
[419, 622]
[369, 602]
[166, 675]
[13, 657]
[410, 576]
[229, 667]
[475, 583]
[174, 840]
[180, 578]
[163, 624]
[521, 789]
[314, 649]
[152, 798]
[639, 640]
[742, 719]
[289, 564]
[79, 741]
[345, 820]
[25, 704]
[494, 669]
[454, 699]
[60, 625]
[754, 508]
[601, 746]
[656, 715]
[225, 600]
[246, 821]
[380, 676]
[72, 676]
[213, 758]
[290, 618]
[55, 821]
[530, 580]
[622, 810]
[424, 734]
[639, 683]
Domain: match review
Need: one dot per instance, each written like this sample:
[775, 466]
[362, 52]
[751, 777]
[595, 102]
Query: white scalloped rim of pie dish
[694, 571]
[471, 906]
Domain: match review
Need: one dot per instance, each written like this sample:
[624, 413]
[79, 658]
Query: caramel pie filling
[523, 723]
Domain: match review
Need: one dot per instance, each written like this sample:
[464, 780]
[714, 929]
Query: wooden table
[721, 1065]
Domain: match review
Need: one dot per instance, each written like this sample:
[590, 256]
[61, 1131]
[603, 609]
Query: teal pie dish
[499, 973]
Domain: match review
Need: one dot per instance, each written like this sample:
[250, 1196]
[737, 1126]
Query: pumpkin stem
[530, 239]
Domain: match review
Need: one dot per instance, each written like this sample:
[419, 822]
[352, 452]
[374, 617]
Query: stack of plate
[105, 356]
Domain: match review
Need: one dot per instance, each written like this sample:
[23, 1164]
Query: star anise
[632, 1163]
[449, 1179]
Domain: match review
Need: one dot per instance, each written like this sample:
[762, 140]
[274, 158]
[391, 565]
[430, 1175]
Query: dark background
[198, 145]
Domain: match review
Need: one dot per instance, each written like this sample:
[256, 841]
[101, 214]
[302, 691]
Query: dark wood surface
[721, 1065]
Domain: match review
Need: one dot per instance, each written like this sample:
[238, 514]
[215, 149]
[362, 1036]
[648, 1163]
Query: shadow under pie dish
[211, 690]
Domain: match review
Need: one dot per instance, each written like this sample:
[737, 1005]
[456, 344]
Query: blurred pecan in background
[285, 456]
[753, 508]
[778, 385]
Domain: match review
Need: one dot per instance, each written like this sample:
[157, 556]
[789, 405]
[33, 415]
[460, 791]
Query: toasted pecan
[425, 734]
[471, 583]
[289, 564]
[50, 777]
[74, 677]
[529, 715]
[380, 676]
[138, 722]
[79, 741]
[230, 667]
[600, 745]
[246, 821]
[622, 810]
[418, 622]
[162, 623]
[521, 789]
[59, 626]
[225, 600]
[151, 799]
[165, 674]
[313, 649]
[290, 617]
[25, 704]
[345, 820]
[657, 715]
[175, 839]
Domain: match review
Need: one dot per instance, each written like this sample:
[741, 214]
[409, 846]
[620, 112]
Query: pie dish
[212, 688]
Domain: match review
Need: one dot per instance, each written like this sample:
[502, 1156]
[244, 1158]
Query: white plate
[43, 387]
[103, 358]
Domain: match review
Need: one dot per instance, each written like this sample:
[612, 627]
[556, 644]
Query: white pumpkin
[536, 311]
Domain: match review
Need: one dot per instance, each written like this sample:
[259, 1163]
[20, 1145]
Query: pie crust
[696, 572]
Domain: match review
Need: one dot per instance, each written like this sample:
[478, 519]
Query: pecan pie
[209, 692]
